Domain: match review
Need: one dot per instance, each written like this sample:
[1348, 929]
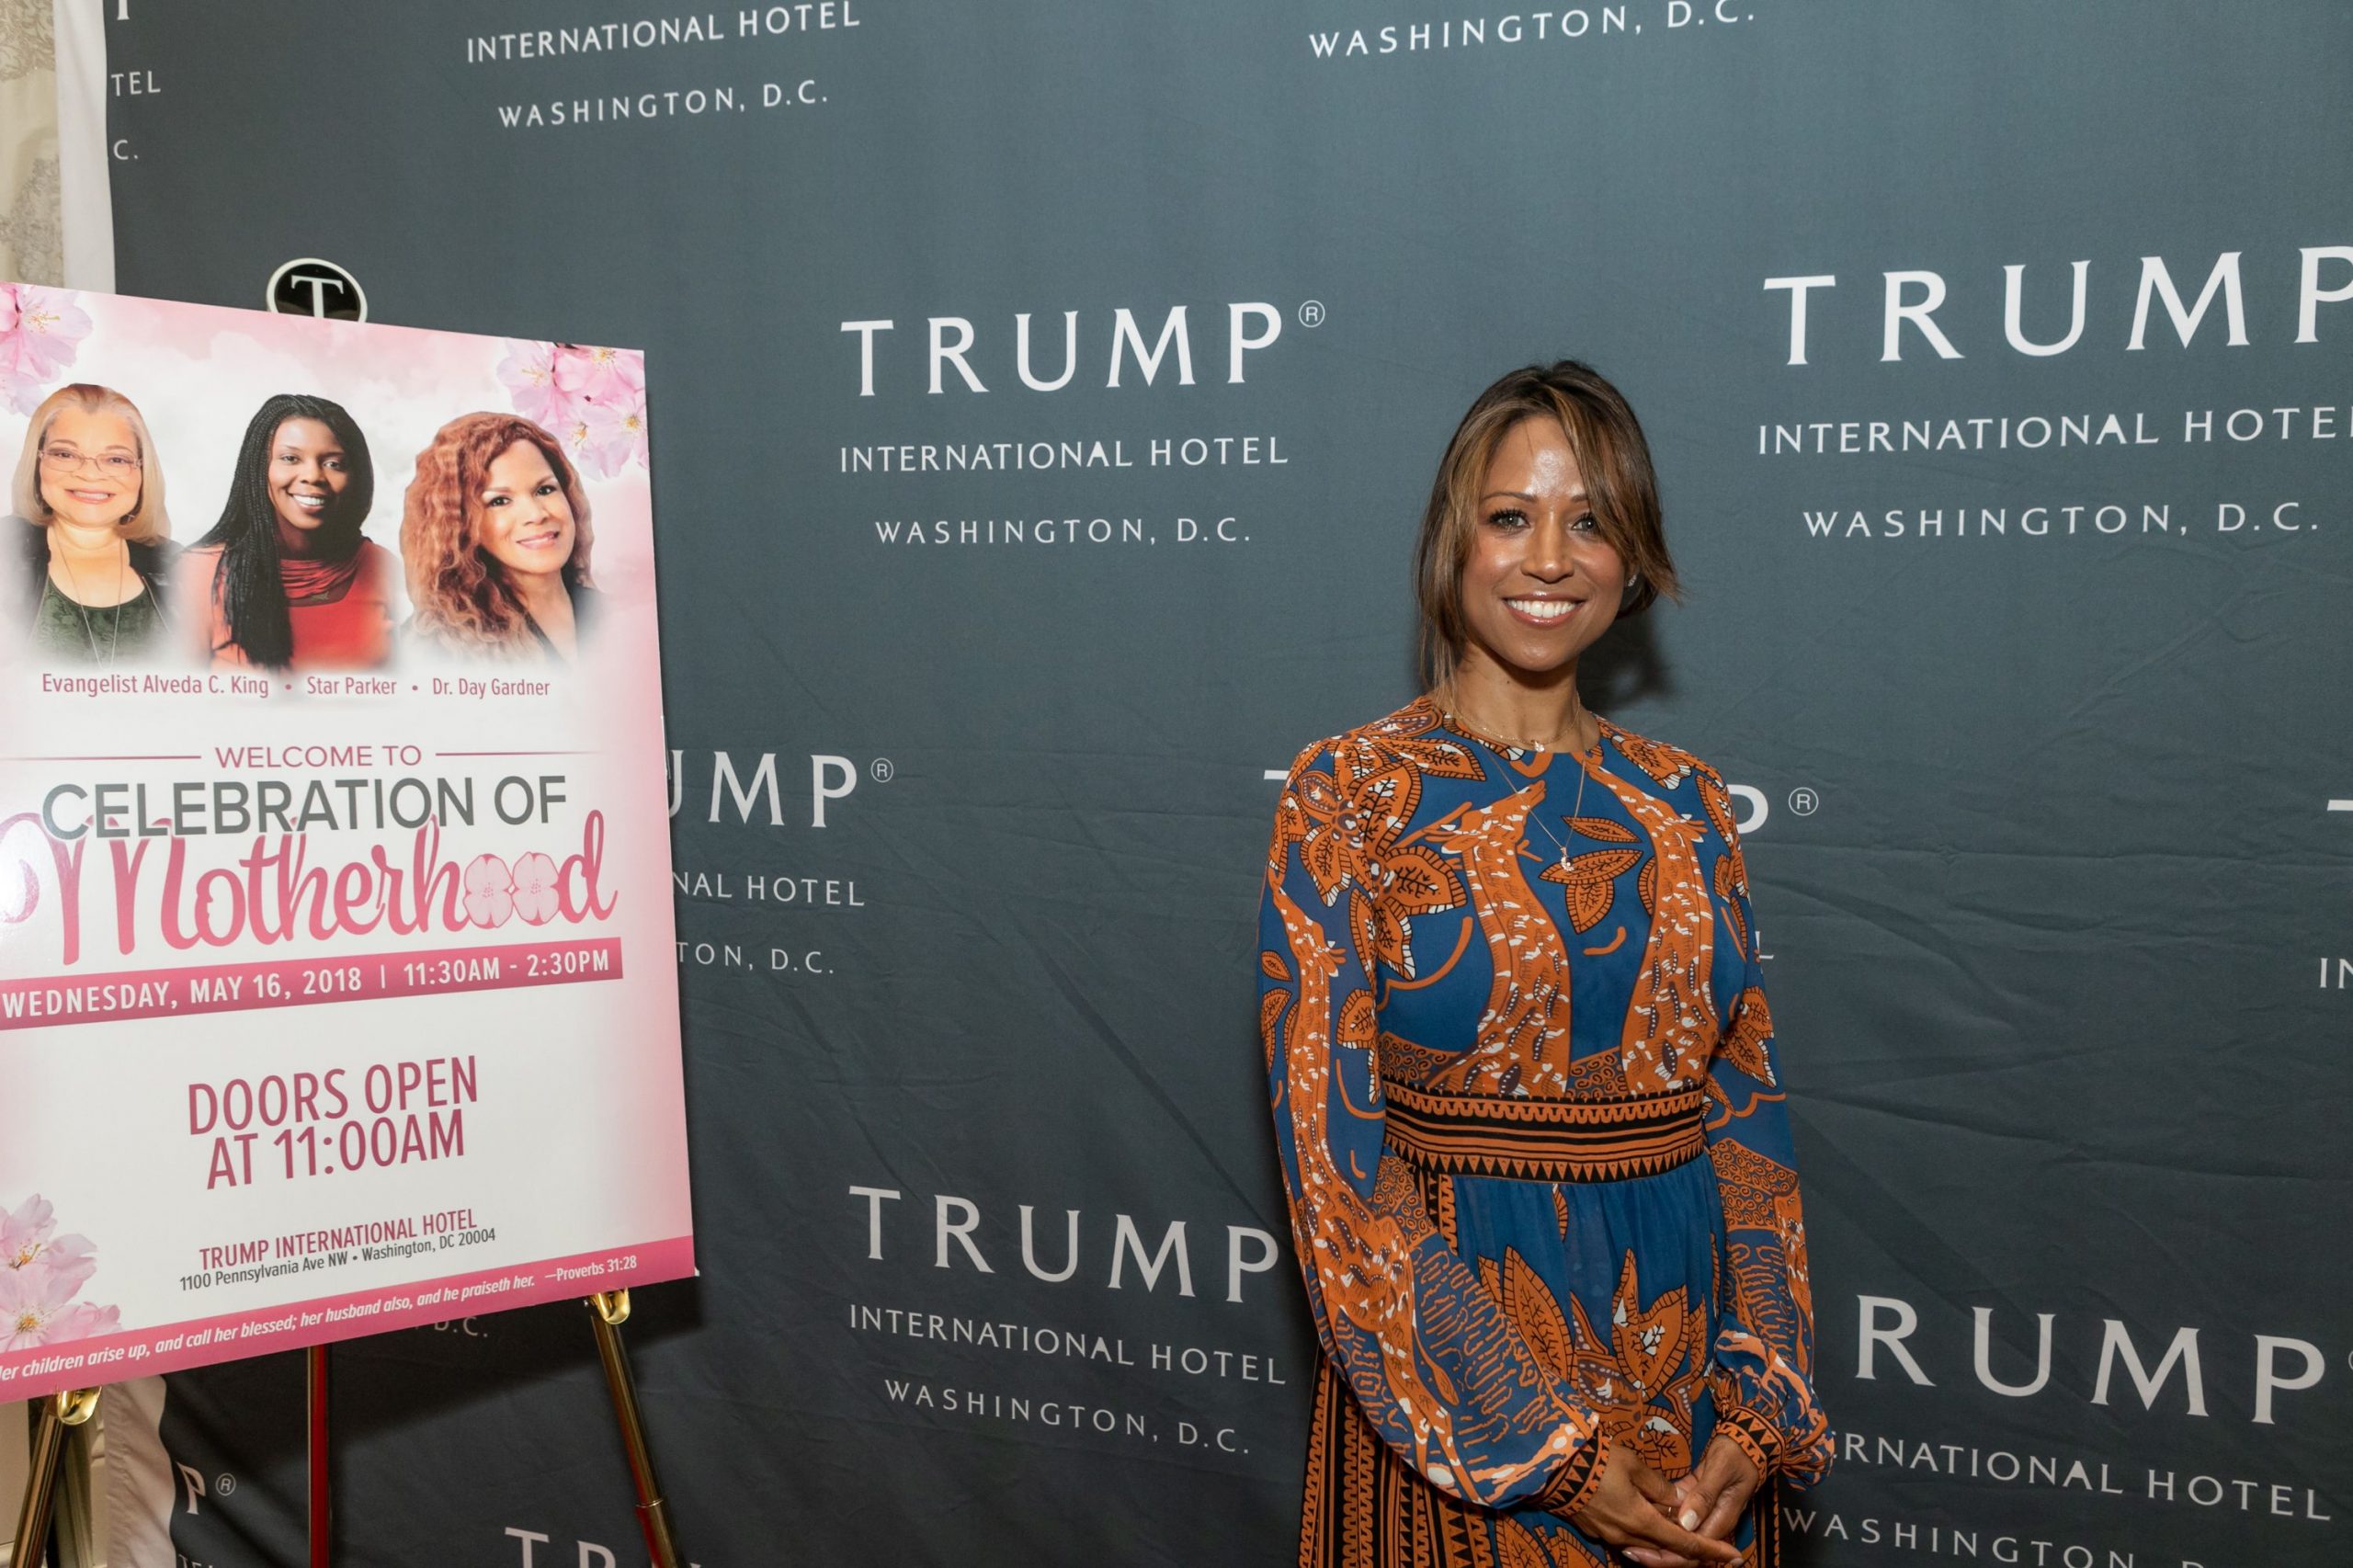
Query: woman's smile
[1541, 609]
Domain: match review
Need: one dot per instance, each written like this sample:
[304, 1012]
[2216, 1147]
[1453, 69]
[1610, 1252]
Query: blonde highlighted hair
[461, 593]
[147, 522]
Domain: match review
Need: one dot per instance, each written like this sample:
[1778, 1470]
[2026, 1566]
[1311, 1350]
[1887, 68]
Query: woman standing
[494, 530]
[1522, 1071]
[284, 581]
[93, 549]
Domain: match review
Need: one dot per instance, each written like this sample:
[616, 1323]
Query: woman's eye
[547, 489]
[1586, 524]
[496, 501]
[1510, 519]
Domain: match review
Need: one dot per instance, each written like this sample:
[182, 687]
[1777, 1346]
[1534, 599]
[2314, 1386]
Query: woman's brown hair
[461, 594]
[1612, 457]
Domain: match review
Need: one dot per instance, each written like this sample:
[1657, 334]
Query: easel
[67, 1407]
[608, 1310]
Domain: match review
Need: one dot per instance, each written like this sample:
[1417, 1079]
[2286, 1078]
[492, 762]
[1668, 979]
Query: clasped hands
[1655, 1523]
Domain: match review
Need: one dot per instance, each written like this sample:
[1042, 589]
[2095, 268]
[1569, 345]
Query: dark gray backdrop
[2060, 912]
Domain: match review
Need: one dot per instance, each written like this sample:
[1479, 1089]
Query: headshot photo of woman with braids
[495, 538]
[285, 580]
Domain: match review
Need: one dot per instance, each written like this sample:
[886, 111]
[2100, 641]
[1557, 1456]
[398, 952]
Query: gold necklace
[1448, 710]
[1584, 773]
[1575, 812]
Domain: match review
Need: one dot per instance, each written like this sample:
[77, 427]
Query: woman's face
[308, 474]
[526, 523]
[89, 468]
[1542, 583]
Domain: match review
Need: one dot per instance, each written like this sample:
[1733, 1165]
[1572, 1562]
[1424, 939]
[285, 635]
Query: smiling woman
[94, 552]
[1523, 1076]
[495, 531]
[284, 581]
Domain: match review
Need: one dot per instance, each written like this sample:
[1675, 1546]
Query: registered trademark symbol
[226, 1484]
[1804, 801]
[1312, 313]
[881, 769]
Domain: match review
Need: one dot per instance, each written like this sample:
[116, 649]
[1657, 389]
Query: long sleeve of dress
[1764, 1353]
[1433, 1363]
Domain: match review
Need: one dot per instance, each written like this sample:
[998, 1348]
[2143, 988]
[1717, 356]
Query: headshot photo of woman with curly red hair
[495, 535]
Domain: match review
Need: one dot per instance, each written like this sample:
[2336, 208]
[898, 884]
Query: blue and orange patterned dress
[1538, 1160]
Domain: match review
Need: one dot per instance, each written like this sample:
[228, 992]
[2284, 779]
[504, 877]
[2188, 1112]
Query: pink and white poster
[336, 989]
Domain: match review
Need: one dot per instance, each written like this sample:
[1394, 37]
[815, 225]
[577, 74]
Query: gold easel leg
[608, 1310]
[66, 1408]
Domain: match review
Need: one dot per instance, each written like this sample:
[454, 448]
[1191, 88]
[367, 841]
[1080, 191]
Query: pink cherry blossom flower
[39, 330]
[80, 1320]
[71, 1258]
[43, 1270]
[490, 890]
[614, 436]
[23, 1232]
[27, 1237]
[529, 371]
[535, 894]
[578, 436]
[36, 1308]
[601, 375]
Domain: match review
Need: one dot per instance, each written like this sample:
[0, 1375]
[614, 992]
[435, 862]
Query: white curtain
[32, 230]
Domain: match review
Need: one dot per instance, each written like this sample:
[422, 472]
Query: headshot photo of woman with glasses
[495, 534]
[285, 580]
[90, 547]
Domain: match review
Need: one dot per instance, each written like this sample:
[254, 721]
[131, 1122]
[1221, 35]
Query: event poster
[336, 991]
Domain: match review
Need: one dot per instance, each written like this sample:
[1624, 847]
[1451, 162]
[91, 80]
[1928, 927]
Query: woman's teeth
[1543, 609]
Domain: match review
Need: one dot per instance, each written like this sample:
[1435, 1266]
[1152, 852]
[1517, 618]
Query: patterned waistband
[1532, 1139]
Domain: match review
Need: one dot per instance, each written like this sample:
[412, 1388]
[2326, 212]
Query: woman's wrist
[1753, 1435]
[1574, 1484]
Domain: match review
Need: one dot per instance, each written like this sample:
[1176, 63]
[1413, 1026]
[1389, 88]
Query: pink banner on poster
[167, 1347]
[335, 937]
[60, 999]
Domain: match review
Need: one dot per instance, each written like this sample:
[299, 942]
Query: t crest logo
[309, 287]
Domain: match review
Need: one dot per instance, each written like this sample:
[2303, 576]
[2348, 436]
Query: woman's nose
[1548, 550]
